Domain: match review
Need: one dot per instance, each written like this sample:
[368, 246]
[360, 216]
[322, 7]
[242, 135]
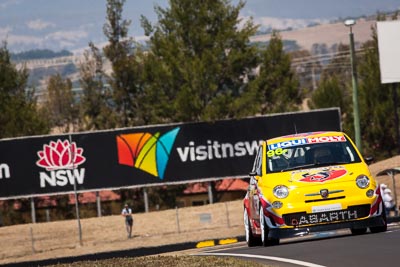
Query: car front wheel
[265, 240]
[251, 240]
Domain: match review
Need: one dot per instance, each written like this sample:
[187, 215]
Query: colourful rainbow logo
[147, 152]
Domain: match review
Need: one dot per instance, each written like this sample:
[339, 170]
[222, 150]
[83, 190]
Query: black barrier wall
[145, 156]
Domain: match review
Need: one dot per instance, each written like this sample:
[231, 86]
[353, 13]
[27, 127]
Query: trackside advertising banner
[145, 156]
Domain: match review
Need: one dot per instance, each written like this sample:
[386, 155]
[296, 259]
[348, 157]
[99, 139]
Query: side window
[258, 162]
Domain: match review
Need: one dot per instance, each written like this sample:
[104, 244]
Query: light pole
[350, 23]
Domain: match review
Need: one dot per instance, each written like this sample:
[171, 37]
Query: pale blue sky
[71, 24]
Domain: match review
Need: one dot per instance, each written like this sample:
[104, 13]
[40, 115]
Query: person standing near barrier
[127, 213]
[387, 199]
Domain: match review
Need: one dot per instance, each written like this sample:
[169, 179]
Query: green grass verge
[161, 261]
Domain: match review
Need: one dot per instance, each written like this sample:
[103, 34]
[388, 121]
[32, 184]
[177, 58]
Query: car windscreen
[294, 155]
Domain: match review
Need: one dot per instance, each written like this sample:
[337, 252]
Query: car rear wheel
[251, 240]
[265, 240]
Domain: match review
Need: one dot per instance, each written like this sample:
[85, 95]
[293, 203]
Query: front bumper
[277, 233]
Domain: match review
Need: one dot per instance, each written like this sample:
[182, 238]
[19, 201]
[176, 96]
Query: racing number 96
[276, 152]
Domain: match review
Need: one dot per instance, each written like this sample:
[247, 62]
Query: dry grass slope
[39, 241]
[329, 34]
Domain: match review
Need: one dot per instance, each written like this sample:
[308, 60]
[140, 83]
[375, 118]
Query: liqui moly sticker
[308, 140]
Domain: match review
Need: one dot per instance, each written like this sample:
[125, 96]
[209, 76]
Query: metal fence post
[177, 220]
[227, 215]
[75, 193]
[32, 241]
[98, 202]
[33, 211]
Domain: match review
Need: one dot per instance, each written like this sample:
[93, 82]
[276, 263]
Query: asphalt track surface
[333, 248]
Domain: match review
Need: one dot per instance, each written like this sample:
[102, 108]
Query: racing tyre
[380, 229]
[251, 240]
[265, 240]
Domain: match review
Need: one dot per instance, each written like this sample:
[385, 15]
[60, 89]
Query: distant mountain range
[71, 24]
[39, 54]
[329, 34]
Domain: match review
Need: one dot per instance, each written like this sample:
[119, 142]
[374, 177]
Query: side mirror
[369, 159]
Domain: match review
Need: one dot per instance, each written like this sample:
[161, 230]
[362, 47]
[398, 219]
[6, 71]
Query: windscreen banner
[145, 156]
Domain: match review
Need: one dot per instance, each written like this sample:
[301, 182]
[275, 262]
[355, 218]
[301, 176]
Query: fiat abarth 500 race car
[310, 182]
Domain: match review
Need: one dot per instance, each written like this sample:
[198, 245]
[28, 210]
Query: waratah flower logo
[60, 155]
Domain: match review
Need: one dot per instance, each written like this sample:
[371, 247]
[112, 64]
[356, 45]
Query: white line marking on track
[297, 262]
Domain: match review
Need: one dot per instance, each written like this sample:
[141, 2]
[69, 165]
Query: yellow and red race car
[310, 182]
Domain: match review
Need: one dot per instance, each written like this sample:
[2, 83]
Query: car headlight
[362, 181]
[281, 191]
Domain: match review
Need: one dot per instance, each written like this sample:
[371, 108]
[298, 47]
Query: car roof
[303, 135]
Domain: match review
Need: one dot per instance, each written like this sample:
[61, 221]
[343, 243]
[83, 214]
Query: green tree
[377, 112]
[277, 85]
[60, 104]
[125, 77]
[334, 89]
[95, 104]
[199, 59]
[19, 113]
[328, 94]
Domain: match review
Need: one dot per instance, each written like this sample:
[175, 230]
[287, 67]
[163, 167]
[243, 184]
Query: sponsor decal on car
[326, 217]
[319, 175]
[308, 140]
[61, 159]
